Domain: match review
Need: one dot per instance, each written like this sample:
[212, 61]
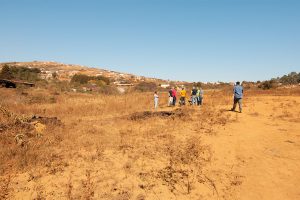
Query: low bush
[84, 79]
[146, 87]
[266, 85]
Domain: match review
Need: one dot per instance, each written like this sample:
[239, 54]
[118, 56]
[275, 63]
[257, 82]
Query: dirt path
[261, 151]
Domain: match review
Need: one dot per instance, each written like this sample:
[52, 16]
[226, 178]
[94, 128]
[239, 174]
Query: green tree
[80, 78]
[102, 78]
[6, 73]
[266, 85]
[84, 79]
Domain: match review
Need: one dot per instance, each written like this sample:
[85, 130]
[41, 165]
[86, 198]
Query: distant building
[165, 85]
[47, 75]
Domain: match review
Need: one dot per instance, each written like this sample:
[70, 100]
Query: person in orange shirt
[182, 96]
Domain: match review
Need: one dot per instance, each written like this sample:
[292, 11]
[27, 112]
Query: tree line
[20, 73]
[292, 78]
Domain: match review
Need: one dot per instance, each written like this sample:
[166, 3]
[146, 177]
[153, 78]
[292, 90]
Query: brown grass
[110, 147]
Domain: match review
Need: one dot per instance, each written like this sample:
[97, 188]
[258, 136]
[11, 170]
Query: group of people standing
[197, 97]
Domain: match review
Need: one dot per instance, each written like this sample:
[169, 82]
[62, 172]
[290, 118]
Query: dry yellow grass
[100, 152]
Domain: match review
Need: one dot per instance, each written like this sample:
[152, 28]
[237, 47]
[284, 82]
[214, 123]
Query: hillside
[66, 71]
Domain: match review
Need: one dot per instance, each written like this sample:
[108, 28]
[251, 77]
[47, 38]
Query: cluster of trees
[266, 85]
[292, 78]
[98, 84]
[20, 73]
[85, 79]
[10, 72]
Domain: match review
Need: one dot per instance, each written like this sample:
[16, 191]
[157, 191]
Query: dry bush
[21, 146]
[4, 187]
[186, 162]
[88, 186]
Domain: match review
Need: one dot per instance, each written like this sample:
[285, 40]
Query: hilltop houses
[164, 86]
[46, 74]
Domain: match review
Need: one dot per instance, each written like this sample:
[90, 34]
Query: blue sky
[204, 40]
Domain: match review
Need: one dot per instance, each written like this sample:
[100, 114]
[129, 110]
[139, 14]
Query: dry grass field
[88, 146]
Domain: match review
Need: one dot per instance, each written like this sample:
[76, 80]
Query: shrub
[54, 75]
[266, 85]
[6, 73]
[101, 78]
[80, 78]
[146, 87]
[84, 79]
[198, 84]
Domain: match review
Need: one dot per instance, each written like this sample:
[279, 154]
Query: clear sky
[192, 40]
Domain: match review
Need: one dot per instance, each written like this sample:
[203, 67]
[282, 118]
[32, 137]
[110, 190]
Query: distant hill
[67, 71]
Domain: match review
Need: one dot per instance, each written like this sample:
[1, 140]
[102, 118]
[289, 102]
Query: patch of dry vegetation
[107, 146]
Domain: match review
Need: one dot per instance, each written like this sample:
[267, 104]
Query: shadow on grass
[226, 110]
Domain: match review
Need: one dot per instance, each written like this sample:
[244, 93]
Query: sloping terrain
[67, 71]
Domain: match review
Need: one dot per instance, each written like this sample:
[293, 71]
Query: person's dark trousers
[182, 100]
[174, 101]
[235, 101]
[200, 101]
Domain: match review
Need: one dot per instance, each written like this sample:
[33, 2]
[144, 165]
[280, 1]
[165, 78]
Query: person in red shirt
[174, 93]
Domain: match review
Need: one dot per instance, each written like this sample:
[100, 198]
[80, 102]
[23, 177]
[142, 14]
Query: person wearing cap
[238, 91]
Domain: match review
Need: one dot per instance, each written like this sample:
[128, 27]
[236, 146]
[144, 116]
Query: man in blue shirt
[238, 96]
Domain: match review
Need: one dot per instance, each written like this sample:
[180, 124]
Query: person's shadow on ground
[230, 110]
